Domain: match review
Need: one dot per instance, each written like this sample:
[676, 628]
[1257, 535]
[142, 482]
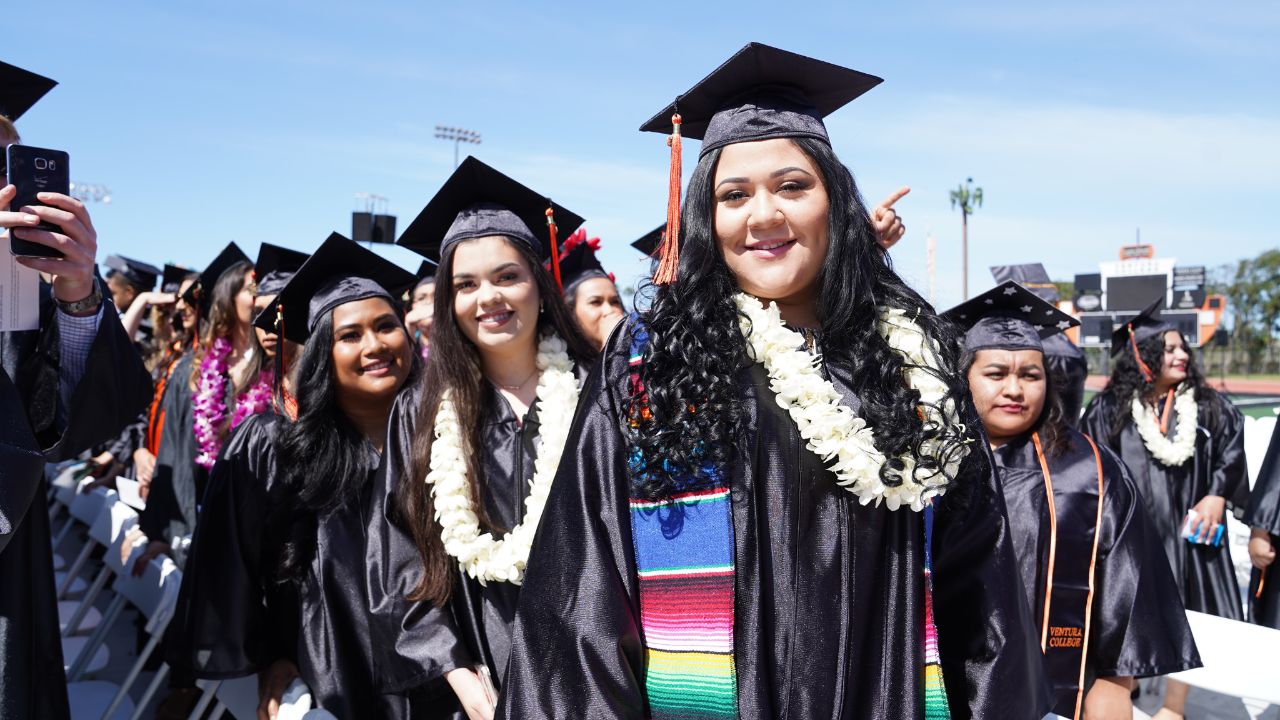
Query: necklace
[831, 430]
[516, 388]
[480, 555]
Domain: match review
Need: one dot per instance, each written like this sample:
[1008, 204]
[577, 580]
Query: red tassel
[555, 249]
[1142, 367]
[669, 250]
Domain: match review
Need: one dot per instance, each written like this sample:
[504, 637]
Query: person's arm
[132, 318]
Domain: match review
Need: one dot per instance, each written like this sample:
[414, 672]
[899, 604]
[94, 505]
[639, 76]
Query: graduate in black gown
[1191, 458]
[803, 598]
[65, 387]
[1093, 567]
[495, 407]
[178, 480]
[1263, 519]
[296, 567]
[419, 306]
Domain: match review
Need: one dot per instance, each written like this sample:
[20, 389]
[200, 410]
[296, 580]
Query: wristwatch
[89, 303]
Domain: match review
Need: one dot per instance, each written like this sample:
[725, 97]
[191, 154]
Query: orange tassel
[1142, 367]
[669, 251]
[555, 248]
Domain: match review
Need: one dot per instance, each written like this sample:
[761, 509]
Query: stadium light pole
[457, 136]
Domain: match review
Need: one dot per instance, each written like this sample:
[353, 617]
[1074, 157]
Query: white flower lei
[831, 429]
[1183, 446]
[481, 555]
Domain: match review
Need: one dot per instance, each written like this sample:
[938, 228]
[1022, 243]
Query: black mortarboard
[579, 262]
[478, 201]
[20, 90]
[426, 271]
[1031, 276]
[1008, 317]
[274, 267]
[200, 293]
[761, 93]
[339, 272]
[1145, 325]
[172, 277]
[139, 274]
[649, 242]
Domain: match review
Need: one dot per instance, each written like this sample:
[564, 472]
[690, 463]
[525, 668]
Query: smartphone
[35, 170]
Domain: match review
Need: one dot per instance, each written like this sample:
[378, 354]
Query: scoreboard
[1122, 288]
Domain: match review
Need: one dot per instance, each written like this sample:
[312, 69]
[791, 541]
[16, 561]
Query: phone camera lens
[42, 164]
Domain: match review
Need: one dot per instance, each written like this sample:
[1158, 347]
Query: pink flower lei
[209, 406]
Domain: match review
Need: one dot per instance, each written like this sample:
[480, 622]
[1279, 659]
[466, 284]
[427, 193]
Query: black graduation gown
[110, 393]
[1204, 573]
[1138, 627]
[177, 482]
[479, 617]
[1264, 514]
[344, 624]
[829, 593]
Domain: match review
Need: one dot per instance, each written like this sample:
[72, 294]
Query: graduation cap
[648, 243]
[21, 90]
[275, 266]
[578, 259]
[1031, 276]
[478, 201]
[172, 277]
[200, 294]
[139, 274]
[1008, 317]
[1139, 329]
[760, 93]
[426, 271]
[339, 272]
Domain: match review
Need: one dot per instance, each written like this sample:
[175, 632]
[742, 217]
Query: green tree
[968, 198]
[1254, 299]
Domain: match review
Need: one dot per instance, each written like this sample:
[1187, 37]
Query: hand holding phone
[33, 171]
[73, 238]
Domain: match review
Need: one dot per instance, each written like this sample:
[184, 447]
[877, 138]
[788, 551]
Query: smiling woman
[750, 491]
[483, 442]
[296, 552]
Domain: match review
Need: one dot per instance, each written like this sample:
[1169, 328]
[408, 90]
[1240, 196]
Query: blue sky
[258, 122]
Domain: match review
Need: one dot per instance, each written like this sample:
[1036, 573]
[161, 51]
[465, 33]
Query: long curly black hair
[695, 350]
[1126, 381]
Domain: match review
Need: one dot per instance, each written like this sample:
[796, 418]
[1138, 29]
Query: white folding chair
[155, 595]
[62, 486]
[85, 508]
[66, 496]
[110, 529]
[110, 615]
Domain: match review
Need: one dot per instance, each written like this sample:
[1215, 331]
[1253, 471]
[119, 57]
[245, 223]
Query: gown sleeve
[110, 392]
[1096, 421]
[417, 642]
[1229, 474]
[1264, 501]
[1141, 625]
[576, 650]
[223, 626]
[990, 658]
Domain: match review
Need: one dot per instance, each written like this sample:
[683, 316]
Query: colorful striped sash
[685, 566]
[684, 560]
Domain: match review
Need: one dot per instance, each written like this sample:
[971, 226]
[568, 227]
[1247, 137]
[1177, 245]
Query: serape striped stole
[685, 567]
[684, 560]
